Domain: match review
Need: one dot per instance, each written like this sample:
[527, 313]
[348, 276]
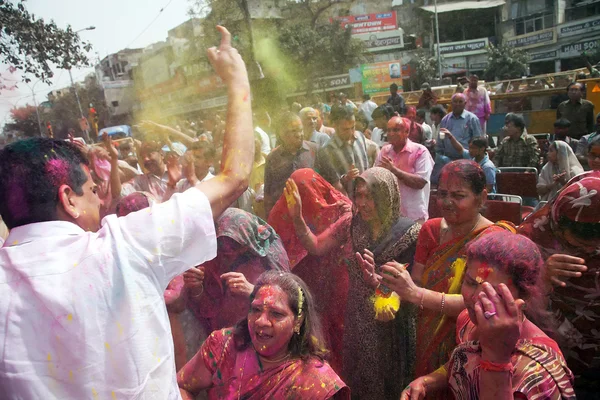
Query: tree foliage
[33, 45]
[296, 49]
[63, 113]
[505, 62]
[425, 66]
[23, 122]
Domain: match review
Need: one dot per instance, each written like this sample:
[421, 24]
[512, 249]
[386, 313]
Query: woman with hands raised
[501, 353]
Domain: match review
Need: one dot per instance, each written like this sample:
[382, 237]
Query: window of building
[532, 15]
[580, 10]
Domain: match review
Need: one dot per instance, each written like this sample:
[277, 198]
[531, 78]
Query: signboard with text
[533, 39]
[545, 56]
[575, 49]
[465, 47]
[377, 78]
[579, 27]
[368, 23]
[380, 41]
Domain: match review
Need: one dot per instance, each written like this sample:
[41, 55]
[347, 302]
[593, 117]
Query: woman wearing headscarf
[561, 167]
[246, 247]
[377, 357]
[567, 231]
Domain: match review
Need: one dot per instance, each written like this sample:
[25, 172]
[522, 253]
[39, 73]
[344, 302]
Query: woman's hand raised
[292, 199]
[367, 264]
[499, 322]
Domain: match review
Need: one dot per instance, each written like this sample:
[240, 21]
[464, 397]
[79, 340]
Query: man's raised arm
[238, 142]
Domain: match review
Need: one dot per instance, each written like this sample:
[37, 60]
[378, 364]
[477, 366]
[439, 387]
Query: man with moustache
[156, 178]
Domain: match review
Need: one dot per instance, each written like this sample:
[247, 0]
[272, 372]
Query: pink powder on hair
[58, 171]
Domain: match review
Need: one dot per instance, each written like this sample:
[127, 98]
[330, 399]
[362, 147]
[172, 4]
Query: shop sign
[547, 55]
[533, 39]
[380, 41]
[579, 27]
[465, 47]
[369, 22]
[575, 49]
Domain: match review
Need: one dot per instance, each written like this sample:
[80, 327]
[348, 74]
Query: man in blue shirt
[464, 126]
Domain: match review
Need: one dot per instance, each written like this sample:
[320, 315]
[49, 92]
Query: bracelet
[496, 367]
[422, 299]
[199, 294]
[443, 302]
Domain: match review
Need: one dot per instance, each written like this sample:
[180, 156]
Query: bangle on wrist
[490, 366]
[443, 302]
[422, 299]
[199, 294]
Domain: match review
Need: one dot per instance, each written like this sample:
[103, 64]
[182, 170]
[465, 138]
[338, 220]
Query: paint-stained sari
[444, 272]
[379, 356]
[540, 373]
[576, 306]
[324, 209]
[238, 375]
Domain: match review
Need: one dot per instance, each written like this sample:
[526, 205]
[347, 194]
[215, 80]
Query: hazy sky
[117, 22]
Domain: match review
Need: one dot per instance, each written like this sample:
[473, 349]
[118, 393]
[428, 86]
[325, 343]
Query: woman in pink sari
[275, 353]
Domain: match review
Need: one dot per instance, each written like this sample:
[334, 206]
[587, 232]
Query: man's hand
[351, 175]
[387, 163]
[110, 147]
[189, 169]
[173, 168]
[226, 60]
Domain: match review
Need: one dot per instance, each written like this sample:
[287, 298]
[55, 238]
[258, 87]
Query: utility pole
[87, 134]
[437, 34]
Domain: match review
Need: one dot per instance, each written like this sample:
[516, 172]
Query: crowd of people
[297, 260]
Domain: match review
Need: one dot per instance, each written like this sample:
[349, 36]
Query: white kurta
[83, 314]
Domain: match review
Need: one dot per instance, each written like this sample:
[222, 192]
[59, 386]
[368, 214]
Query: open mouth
[263, 337]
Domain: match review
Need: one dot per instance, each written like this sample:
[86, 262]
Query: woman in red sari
[502, 354]
[275, 353]
[567, 231]
[322, 207]
[437, 276]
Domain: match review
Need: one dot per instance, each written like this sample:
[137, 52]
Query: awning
[464, 5]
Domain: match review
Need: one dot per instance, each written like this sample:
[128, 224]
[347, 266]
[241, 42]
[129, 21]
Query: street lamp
[87, 136]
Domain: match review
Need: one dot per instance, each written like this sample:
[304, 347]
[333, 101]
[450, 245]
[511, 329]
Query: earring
[297, 329]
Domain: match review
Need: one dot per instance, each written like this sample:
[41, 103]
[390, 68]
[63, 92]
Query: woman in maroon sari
[567, 231]
[275, 353]
[322, 207]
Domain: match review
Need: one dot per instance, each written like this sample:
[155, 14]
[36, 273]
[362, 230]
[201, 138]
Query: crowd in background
[329, 253]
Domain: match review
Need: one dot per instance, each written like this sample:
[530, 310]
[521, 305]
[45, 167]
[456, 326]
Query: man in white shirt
[367, 107]
[81, 303]
[196, 168]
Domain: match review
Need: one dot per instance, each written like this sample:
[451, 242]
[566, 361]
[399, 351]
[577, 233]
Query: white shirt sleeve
[424, 165]
[170, 237]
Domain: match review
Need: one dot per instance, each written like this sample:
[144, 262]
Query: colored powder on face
[483, 272]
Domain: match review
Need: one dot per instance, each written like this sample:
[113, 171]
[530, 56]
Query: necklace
[277, 360]
[261, 361]
[446, 229]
